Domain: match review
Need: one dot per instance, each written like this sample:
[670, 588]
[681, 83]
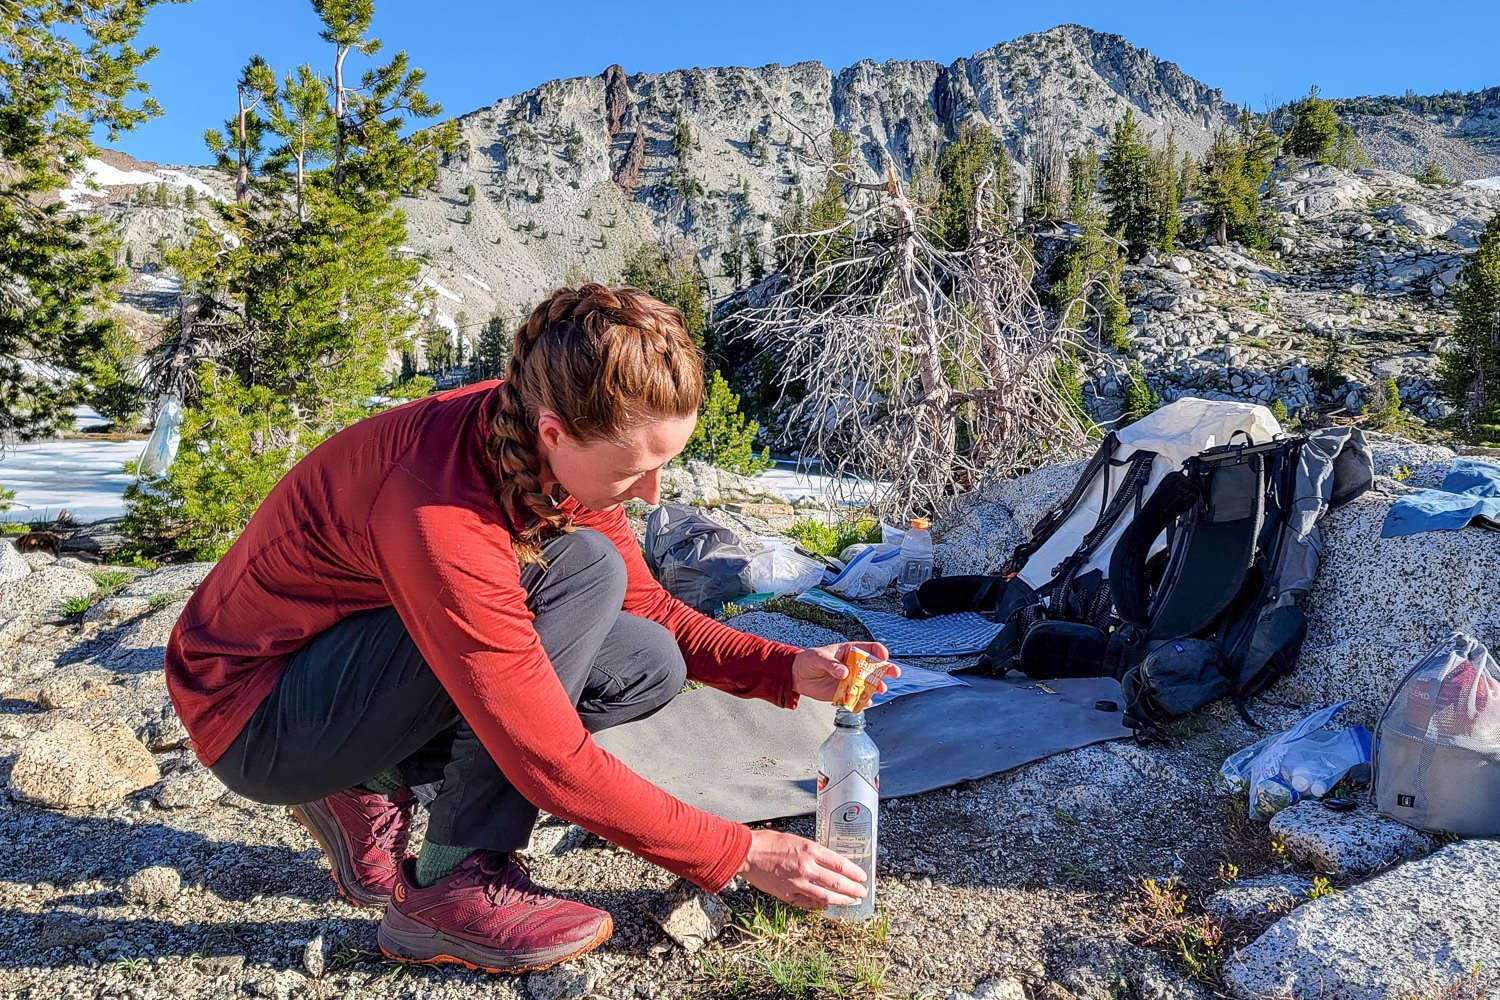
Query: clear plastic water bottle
[916, 556]
[849, 803]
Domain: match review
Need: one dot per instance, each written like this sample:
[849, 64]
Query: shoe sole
[319, 821]
[403, 939]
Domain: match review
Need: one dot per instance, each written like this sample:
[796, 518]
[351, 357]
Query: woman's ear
[550, 430]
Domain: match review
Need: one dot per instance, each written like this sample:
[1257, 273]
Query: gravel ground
[1020, 881]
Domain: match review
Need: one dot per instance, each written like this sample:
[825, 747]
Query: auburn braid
[603, 360]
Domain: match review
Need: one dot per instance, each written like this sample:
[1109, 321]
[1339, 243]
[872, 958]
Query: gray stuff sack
[699, 561]
[1437, 745]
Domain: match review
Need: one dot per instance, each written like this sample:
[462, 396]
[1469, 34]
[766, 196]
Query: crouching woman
[448, 595]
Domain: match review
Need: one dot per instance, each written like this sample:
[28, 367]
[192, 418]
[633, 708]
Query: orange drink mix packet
[865, 672]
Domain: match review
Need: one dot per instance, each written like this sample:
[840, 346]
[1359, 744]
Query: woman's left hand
[816, 672]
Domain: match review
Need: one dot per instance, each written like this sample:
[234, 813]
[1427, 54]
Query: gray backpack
[1437, 746]
[699, 561]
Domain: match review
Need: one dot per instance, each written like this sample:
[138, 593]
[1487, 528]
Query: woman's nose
[648, 487]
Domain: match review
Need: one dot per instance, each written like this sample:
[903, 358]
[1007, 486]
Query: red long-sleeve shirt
[398, 510]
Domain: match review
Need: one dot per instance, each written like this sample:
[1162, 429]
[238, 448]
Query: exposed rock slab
[1417, 928]
[71, 765]
[1346, 843]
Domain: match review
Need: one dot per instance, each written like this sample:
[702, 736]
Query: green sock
[436, 860]
[386, 782]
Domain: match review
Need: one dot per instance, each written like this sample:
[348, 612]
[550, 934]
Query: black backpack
[1219, 611]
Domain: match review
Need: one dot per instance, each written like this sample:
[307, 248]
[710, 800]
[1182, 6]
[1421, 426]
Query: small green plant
[787, 605]
[74, 607]
[815, 536]
[1402, 473]
[1079, 876]
[1474, 986]
[1257, 342]
[1140, 399]
[821, 538]
[110, 581]
[1229, 872]
[1386, 410]
[133, 965]
[731, 610]
[1321, 887]
[14, 527]
[1063, 816]
[1158, 917]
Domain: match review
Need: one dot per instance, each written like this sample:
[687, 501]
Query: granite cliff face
[571, 174]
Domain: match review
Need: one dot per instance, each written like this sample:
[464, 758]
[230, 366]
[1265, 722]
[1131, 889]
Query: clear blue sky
[475, 52]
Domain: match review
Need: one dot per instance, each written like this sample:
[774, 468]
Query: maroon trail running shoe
[488, 915]
[364, 835]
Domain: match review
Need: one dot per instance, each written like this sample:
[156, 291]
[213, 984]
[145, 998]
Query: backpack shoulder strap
[1174, 496]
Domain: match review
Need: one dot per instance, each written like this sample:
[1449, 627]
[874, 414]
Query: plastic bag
[1306, 755]
[780, 569]
[161, 446]
[868, 573]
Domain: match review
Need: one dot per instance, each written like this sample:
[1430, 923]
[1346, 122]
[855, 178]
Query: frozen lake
[85, 478]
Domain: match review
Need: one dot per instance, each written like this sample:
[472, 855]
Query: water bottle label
[847, 813]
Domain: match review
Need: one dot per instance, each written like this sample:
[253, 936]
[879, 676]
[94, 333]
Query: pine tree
[492, 353]
[734, 259]
[1166, 199]
[674, 280]
[296, 307]
[1189, 177]
[190, 198]
[1314, 128]
[1127, 172]
[961, 166]
[68, 69]
[723, 437]
[1470, 371]
[1432, 173]
[1227, 190]
[1086, 285]
[1140, 399]
[755, 267]
[302, 120]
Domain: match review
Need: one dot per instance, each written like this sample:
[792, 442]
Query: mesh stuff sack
[1437, 746]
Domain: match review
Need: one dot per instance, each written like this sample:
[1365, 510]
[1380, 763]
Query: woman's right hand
[798, 871]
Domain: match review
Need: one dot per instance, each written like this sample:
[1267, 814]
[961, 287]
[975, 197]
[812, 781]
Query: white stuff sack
[778, 569]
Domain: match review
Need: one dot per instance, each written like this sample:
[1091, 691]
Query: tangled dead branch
[925, 369]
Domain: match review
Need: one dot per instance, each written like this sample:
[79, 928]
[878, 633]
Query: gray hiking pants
[359, 700]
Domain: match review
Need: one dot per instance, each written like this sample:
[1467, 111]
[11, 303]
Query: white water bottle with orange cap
[916, 556]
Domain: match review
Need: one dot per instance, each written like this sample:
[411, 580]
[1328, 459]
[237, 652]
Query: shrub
[723, 435]
[1140, 399]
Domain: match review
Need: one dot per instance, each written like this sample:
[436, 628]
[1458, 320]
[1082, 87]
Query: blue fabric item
[941, 635]
[1470, 495]
[1470, 475]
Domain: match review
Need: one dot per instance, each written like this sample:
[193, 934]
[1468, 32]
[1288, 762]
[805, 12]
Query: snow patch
[478, 281]
[98, 174]
[1487, 183]
[445, 293]
[85, 478]
[448, 323]
[157, 282]
[179, 179]
[798, 485]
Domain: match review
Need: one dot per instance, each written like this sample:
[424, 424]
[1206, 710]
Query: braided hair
[604, 360]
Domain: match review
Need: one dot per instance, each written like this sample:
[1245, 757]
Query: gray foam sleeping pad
[749, 760]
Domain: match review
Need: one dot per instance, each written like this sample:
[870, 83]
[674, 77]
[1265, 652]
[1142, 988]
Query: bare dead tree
[924, 369]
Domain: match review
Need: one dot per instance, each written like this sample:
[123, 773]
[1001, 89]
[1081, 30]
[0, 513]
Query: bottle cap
[921, 523]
